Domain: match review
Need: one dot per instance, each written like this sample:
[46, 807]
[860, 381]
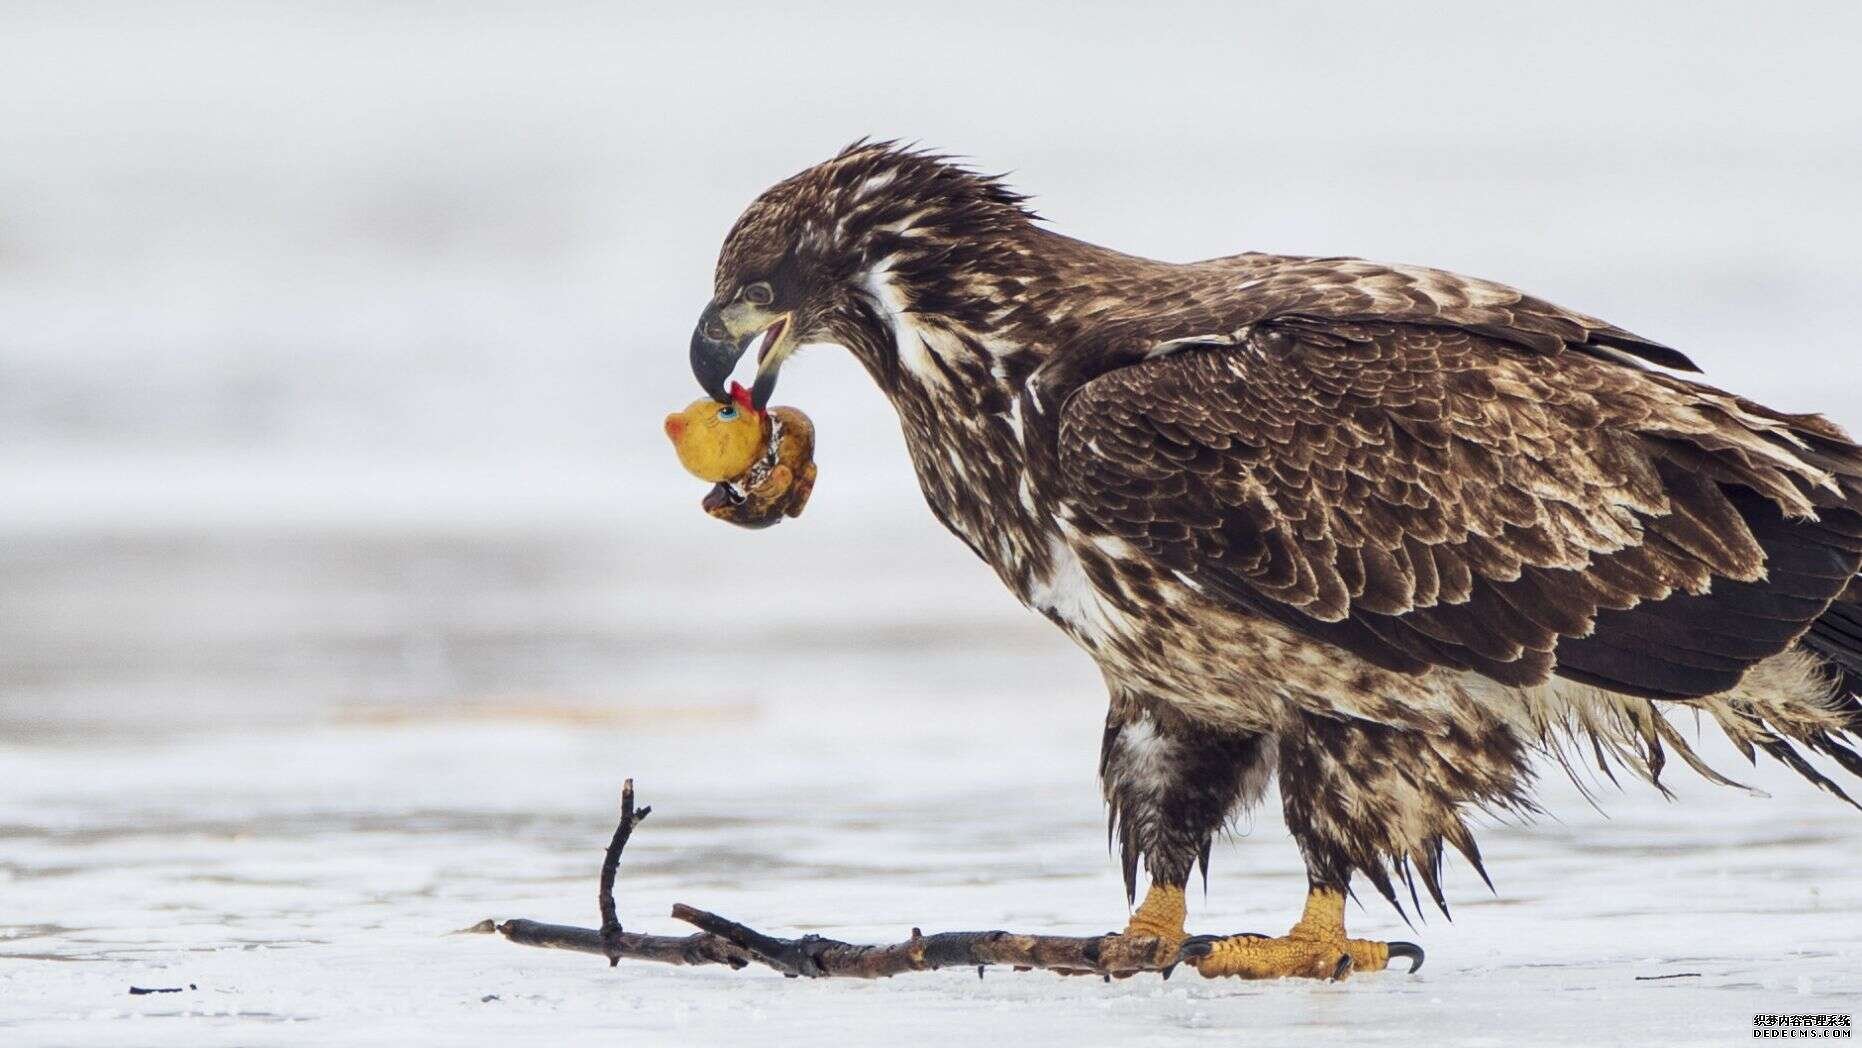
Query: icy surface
[304, 877]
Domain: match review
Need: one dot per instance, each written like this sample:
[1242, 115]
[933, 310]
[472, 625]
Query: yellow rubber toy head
[719, 442]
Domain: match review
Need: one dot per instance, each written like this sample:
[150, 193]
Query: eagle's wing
[1435, 496]
[1274, 287]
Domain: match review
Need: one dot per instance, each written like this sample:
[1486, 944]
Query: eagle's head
[800, 264]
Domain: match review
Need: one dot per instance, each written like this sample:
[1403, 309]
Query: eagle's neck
[952, 347]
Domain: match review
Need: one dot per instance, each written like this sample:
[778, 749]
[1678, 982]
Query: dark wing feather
[1430, 496]
[1356, 290]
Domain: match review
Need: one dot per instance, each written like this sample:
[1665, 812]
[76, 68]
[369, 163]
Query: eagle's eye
[759, 294]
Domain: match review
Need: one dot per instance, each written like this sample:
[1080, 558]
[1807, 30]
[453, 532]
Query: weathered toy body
[762, 463]
[778, 483]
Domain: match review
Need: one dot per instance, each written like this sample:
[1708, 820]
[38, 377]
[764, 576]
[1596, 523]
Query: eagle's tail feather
[1836, 636]
[1788, 756]
[1828, 745]
[1791, 707]
[1841, 746]
[1830, 725]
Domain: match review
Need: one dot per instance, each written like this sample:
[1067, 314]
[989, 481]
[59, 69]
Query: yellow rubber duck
[754, 485]
[719, 442]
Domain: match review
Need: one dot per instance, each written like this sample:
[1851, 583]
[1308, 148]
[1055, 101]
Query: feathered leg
[1380, 801]
[1171, 784]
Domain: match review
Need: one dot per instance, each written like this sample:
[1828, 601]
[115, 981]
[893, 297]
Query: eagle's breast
[957, 392]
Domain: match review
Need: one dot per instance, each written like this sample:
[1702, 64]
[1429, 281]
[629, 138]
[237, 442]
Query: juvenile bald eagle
[1383, 531]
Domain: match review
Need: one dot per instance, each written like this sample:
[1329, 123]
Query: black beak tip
[712, 363]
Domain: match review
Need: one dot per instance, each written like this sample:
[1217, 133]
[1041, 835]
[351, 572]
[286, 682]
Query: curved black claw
[1196, 946]
[1342, 968]
[1409, 950]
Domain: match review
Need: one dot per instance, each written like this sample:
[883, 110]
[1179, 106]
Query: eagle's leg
[1355, 794]
[1171, 783]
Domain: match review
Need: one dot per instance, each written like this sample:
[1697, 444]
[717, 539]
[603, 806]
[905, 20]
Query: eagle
[1383, 534]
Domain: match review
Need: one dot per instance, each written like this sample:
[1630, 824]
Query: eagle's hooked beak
[723, 336]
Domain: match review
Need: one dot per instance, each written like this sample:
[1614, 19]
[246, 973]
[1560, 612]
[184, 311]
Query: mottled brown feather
[1571, 515]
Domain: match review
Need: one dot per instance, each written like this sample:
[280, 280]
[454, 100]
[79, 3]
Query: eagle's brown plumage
[1428, 497]
[1383, 531]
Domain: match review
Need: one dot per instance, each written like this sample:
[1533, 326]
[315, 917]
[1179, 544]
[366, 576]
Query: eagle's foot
[1316, 948]
[1260, 957]
[1159, 917]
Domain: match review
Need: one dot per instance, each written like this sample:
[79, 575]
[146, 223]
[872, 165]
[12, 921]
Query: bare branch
[724, 941]
[610, 863]
[814, 956]
[694, 949]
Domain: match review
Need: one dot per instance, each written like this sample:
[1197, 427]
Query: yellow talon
[1315, 948]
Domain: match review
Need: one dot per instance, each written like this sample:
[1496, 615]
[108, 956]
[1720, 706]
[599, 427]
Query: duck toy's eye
[729, 414]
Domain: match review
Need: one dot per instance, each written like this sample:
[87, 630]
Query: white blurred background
[335, 339]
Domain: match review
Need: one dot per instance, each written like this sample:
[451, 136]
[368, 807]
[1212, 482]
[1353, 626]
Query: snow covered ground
[303, 881]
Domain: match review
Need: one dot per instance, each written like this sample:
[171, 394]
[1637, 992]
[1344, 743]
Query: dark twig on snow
[610, 862]
[814, 956]
[724, 941]
[666, 949]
